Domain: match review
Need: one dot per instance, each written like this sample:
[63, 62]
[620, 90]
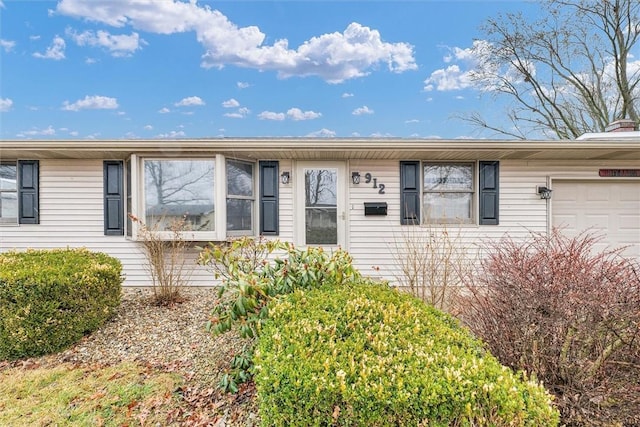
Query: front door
[320, 203]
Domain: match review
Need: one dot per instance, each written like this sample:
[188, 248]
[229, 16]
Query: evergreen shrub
[49, 299]
[368, 355]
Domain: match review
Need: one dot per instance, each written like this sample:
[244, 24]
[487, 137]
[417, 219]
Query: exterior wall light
[285, 177]
[544, 192]
[355, 177]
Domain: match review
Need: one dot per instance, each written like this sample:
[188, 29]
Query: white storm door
[320, 211]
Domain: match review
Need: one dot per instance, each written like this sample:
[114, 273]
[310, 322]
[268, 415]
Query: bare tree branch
[566, 74]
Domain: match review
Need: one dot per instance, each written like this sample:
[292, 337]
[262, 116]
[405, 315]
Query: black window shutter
[409, 192]
[269, 198]
[113, 198]
[28, 188]
[489, 193]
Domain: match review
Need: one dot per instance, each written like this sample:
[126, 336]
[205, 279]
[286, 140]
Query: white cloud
[412, 121]
[148, 127]
[34, 37]
[164, 110]
[189, 102]
[7, 45]
[362, 110]
[242, 85]
[324, 133]
[130, 135]
[450, 78]
[230, 103]
[172, 135]
[381, 135]
[90, 61]
[70, 132]
[92, 103]
[297, 114]
[49, 131]
[5, 104]
[55, 51]
[270, 115]
[347, 95]
[117, 45]
[294, 113]
[240, 114]
[334, 57]
[466, 62]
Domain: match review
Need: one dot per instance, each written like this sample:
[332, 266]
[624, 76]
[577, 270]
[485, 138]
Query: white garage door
[610, 208]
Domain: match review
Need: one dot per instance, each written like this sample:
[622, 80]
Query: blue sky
[127, 69]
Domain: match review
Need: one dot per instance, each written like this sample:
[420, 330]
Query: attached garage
[609, 208]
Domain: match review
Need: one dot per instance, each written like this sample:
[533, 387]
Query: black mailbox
[375, 208]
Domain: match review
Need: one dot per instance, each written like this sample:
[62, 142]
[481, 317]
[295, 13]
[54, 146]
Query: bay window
[214, 196]
[240, 197]
[179, 189]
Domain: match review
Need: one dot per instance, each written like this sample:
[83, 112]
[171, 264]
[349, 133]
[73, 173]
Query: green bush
[367, 355]
[253, 276]
[49, 299]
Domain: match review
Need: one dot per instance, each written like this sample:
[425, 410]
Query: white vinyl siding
[286, 203]
[71, 212]
[71, 215]
[374, 239]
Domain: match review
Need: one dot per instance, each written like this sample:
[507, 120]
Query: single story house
[361, 194]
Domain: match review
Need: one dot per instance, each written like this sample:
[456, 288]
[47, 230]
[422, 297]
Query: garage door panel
[611, 209]
[568, 222]
[629, 222]
[631, 196]
[599, 222]
[597, 194]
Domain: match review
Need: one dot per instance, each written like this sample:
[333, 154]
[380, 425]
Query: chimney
[622, 125]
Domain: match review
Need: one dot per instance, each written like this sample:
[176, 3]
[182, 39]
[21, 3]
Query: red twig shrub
[556, 308]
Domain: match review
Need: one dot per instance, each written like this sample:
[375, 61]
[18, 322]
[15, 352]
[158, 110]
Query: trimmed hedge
[49, 299]
[368, 355]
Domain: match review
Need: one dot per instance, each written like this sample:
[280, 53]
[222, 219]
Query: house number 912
[368, 179]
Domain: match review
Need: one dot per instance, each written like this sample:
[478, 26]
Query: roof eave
[329, 148]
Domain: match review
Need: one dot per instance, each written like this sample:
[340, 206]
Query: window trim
[473, 220]
[220, 233]
[16, 191]
[483, 199]
[252, 198]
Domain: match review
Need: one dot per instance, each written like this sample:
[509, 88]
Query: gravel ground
[173, 338]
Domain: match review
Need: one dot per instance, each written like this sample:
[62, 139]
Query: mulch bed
[171, 338]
